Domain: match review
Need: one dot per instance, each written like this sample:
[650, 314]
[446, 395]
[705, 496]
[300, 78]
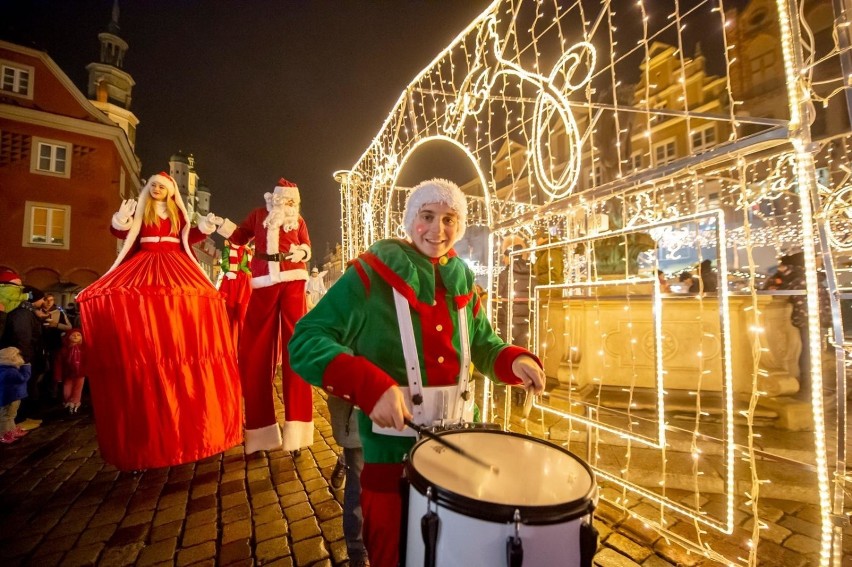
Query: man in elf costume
[405, 300]
[279, 273]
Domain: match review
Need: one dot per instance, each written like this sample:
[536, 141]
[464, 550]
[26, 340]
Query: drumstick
[528, 402]
[451, 446]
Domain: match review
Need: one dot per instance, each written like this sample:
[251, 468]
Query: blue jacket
[13, 383]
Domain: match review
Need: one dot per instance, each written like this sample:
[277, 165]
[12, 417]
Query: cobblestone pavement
[60, 504]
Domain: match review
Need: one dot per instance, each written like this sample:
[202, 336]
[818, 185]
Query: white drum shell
[469, 542]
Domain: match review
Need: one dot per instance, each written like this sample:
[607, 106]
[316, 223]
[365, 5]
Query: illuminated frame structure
[532, 93]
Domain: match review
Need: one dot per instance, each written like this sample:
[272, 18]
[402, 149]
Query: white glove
[123, 218]
[296, 255]
[231, 275]
[207, 224]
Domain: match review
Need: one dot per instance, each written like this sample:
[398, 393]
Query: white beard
[282, 216]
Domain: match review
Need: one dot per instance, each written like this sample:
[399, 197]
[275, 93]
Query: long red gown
[163, 374]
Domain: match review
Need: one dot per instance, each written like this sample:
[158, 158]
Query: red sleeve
[356, 379]
[503, 364]
[304, 238]
[245, 231]
[196, 235]
[120, 234]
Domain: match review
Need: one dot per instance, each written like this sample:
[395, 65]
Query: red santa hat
[8, 276]
[287, 189]
[436, 191]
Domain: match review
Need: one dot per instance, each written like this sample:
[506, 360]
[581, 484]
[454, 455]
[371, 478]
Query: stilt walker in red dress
[165, 385]
[279, 273]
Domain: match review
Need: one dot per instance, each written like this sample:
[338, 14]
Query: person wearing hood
[68, 370]
[401, 300]
[165, 386]
[14, 375]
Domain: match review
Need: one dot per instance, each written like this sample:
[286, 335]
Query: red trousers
[270, 318]
[381, 505]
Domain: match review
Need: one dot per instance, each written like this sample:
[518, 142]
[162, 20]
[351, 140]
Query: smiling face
[159, 191]
[435, 229]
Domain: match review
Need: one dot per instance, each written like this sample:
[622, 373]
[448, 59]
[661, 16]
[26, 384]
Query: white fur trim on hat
[288, 193]
[435, 191]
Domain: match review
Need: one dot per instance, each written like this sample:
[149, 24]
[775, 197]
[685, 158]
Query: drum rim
[504, 513]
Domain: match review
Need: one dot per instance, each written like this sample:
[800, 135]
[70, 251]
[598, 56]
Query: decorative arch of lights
[636, 136]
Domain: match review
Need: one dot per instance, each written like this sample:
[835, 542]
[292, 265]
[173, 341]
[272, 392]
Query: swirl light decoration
[614, 139]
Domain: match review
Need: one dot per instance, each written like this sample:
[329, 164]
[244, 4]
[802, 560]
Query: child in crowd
[68, 369]
[14, 375]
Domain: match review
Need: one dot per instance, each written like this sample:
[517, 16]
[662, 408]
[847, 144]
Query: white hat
[436, 191]
[314, 270]
[287, 189]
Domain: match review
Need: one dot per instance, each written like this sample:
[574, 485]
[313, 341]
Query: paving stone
[196, 553]
[676, 554]
[158, 552]
[55, 545]
[200, 534]
[264, 498]
[610, 558]
[802, 544]
[332, 530]
[120, 556]
[773, 532]
[143, 517]
[293, 498]
[235, 551]
[172, 500]
[240, 529]
[208, 502]
[773, 555]
[270, 549]
[97, 534]
[87, 555]
[166, 531]
[206, 489]
[234, 475]
[339, 553]
[235, 513]
[258, 474]
[235, 499]
[628, 547]
[169, 515]
[298, 512]
[269, 530]
[234, 486]
[310, 551]
[800, 526]
[304, 529]
[201, 518]
[128, 535]
[639, 531]
[259, 486]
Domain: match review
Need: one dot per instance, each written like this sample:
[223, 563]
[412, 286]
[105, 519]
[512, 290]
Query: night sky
[256, 89]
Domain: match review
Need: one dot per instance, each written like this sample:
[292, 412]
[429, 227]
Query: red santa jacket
[269, 266]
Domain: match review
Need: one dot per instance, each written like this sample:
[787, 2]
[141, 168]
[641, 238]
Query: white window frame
[35, 157]
[29, 239]
[702, 134]
[636, 161]
[18, 70]
[669, 157]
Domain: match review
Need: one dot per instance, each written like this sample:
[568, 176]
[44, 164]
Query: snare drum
[535, 510]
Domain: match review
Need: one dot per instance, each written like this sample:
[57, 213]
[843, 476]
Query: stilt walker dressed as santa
[279, 273]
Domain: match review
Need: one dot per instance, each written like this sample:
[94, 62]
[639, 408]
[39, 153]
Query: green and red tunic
[350, 344]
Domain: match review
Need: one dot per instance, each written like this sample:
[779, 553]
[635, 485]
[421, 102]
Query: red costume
[236, 286]
[279, 273]
[164, 380]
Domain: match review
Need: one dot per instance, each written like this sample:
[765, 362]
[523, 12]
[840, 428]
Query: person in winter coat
[14, 374]
[68, 370]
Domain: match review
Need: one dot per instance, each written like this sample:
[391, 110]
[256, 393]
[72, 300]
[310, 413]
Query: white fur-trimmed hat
[288, 190]
[435, 191]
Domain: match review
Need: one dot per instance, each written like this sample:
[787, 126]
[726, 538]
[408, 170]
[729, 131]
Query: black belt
[279, 257]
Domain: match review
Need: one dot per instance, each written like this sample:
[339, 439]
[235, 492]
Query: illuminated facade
[604, 127]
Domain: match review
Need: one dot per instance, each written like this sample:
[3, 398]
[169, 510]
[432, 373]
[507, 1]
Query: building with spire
[110, 86]
[65, 162]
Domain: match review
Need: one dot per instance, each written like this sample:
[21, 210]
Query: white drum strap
[464, 370]
[409, 351]
[412, 363]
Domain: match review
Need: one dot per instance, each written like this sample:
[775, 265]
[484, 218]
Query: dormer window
[16, 79]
